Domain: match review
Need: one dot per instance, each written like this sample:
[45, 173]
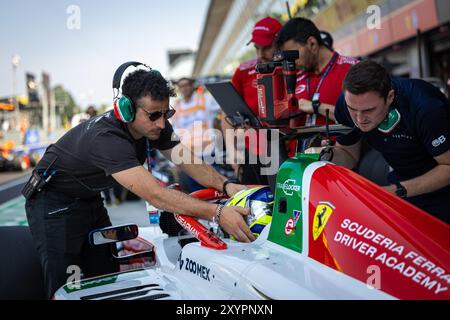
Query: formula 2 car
[333, 235]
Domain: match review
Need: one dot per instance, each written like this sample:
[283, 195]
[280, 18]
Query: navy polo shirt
[422, 134]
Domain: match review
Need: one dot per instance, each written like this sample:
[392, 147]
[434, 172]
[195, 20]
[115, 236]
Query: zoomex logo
[195, 268]
[289, 187]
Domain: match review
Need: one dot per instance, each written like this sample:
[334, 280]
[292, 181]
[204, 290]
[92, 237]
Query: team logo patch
[301, 76]
[289, 227]
[437, 142]
[323, 213]
[347, 60]
[300, 89]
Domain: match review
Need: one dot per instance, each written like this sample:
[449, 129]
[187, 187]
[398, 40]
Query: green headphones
[124, 108]
[390, 122]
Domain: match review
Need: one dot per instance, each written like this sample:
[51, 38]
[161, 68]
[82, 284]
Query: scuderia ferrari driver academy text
[391, 254]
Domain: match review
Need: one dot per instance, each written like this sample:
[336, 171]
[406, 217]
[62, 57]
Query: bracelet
[224, 187]
[219, 210]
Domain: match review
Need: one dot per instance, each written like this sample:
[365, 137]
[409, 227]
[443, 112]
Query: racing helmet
[260, 202]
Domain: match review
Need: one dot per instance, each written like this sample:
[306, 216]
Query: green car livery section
[104, 280]
[287, 226]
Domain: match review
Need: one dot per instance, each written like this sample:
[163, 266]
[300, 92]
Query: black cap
[327, 39]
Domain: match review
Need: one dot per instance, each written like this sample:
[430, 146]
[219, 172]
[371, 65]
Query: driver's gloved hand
[326, 154]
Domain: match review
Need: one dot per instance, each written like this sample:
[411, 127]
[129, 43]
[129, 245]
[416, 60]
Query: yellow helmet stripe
[239, 199]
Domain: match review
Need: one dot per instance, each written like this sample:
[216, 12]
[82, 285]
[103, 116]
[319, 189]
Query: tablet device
[231, 102]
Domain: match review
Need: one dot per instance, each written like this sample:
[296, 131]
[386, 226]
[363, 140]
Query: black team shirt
[92, 151]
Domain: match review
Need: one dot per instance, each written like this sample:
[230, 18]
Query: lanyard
[149, 164]
[325, 74]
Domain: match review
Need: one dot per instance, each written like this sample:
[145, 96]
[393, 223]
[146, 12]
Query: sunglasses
[154, 116]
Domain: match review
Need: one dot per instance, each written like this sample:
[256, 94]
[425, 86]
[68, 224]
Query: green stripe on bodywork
[105, 280]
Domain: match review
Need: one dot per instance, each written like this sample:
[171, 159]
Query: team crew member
[107, 148]
[322, 71]
[408, 121]
[195, 112]
[244, 80]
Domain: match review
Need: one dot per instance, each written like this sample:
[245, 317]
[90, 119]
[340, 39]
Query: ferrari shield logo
[323, 213]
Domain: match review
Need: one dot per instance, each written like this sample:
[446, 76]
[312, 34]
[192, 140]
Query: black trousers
[60, 226]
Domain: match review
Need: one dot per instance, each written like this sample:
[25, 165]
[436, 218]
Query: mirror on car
[113, 234]
[142, 254]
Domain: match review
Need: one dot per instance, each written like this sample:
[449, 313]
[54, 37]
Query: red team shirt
[330, 89]
[244, 80]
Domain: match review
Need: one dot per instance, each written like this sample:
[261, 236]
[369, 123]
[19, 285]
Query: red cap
[265, 31]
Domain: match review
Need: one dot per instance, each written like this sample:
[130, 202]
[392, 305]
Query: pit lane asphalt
[11, 183]
[12, 204]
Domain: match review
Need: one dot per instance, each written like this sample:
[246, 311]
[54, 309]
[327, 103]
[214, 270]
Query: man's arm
[435, 179]
[433, 130]
[306, 106]
[141, 182]
[347, 156]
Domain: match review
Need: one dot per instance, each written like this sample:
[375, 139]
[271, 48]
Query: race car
[332, 234]
[13, 161]
[20, 158]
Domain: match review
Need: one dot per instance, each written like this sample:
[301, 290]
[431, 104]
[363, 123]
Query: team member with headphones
[408, 122]
[107, 148]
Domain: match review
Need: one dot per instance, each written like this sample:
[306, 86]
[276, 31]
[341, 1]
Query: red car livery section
[377, 238]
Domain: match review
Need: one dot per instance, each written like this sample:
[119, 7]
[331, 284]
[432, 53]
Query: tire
[20, 271]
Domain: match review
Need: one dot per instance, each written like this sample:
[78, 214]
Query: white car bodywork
[258, 270]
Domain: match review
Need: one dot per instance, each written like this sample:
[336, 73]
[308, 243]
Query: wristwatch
[316, 104]
[224, 187]
[326, 154]
[401, 190]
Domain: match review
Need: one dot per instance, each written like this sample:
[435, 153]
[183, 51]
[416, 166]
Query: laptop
[231, 102]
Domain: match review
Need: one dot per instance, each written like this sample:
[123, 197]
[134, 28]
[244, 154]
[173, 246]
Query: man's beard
[311, 62]
[154, 135]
